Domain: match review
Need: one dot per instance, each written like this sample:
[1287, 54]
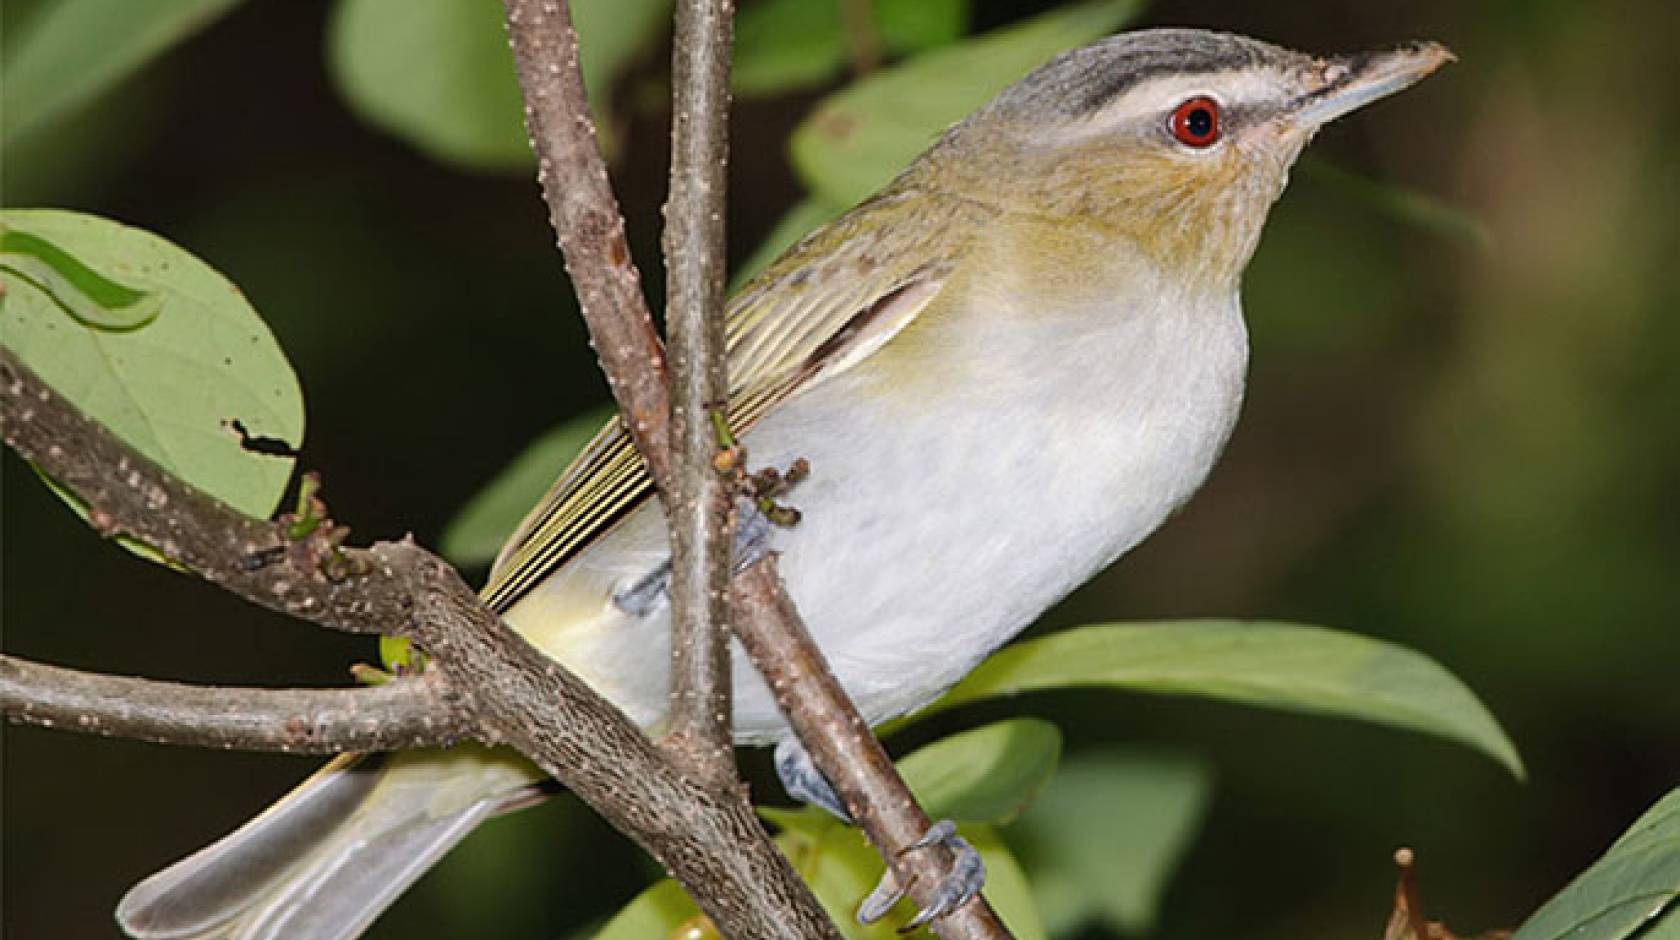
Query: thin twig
[695, 261]
[835, 736]
[402, 713]
[586, 219]
[711, 842]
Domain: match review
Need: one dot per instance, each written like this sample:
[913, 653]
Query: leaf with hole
[171, 381]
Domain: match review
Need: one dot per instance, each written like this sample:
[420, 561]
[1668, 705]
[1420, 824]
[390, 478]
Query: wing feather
[788, 328]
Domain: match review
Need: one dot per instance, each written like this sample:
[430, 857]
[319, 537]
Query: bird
[1004, 370]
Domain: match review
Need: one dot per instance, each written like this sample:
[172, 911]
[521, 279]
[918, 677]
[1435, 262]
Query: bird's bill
[1351, 82]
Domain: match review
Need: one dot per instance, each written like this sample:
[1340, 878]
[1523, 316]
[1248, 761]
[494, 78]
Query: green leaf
[859, 138]
[72, 50]
[82, 293]
[1007, 885]
[172, 386]
[989, 774]
[1105, 838]
[800, 220]
[1277, 665]
[783, 45]
[439, 74]
[914, 25]
[655, 913]
[477, 532]
[1625, 892]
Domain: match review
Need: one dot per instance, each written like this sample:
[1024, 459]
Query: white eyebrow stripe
[1153, 97]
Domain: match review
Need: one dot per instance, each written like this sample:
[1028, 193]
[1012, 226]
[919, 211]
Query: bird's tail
[331, 855]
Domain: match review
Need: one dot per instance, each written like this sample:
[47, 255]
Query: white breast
[939, 524]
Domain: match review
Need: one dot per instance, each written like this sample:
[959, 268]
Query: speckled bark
[402, 713]
[695, 258]
[710, 841]
[587, 222]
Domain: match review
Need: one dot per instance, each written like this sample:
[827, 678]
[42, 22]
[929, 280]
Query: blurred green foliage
[1461, 436]
[439, 74]
[786, 45]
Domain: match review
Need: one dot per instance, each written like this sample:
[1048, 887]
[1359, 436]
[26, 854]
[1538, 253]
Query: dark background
[1469, 448]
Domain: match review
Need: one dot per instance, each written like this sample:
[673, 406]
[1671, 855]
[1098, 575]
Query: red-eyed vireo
[1005, 370]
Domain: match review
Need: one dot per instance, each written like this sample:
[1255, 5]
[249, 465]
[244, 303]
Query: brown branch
[403, 713]
[835, 736]
[710, 841]
[584, 212]
[695, 259]
[586, 219]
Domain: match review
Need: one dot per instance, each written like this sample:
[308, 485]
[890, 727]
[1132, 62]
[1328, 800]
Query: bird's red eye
[1195, 123]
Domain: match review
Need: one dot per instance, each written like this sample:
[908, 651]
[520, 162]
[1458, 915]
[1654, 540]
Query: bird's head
[1179, 140]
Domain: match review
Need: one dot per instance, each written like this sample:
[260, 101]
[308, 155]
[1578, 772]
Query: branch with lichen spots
[711, 842]
[403, 713]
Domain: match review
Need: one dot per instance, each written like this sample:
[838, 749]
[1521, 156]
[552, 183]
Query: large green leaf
[439, 74]
[989, 774]
[72, 50]
[172, 385]
[1631, 891]
[1007, 886]
[477, 532]
[858, 138]
[782, 45]
[1106, 836]
[1278, 665]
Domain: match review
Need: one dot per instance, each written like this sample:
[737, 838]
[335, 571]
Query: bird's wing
[824, 306]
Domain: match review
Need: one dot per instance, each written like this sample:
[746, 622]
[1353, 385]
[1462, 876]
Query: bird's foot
[965, 879]
[804, 782]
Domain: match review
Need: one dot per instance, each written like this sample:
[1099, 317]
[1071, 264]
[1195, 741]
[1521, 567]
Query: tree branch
[586, 219]
[403, 713]
[711, 842]
[584, 213]
[695, 261]
[835, 736]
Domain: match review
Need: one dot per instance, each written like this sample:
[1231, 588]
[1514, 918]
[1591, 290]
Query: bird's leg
[650, 591]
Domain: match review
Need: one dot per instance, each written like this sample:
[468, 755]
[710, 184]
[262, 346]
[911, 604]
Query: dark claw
[965, 879]
[804, 782]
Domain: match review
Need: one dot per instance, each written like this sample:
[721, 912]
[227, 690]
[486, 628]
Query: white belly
[937, 529]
